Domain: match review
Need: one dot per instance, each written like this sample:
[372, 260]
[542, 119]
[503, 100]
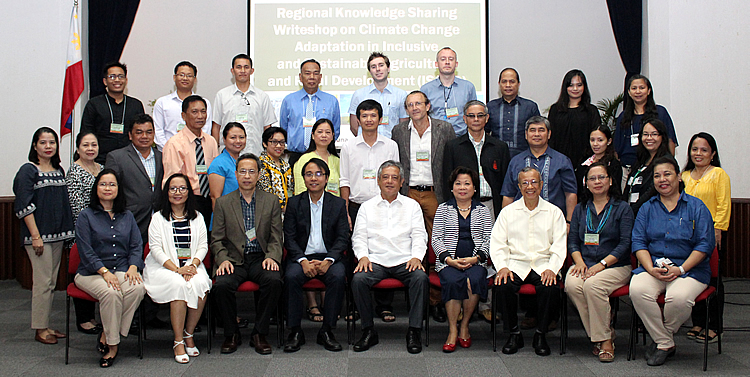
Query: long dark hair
[118, 204]
[190, 205]
[690, 165]
[79, 140]
[331, 146]
[609, 153]
[563, 101]
[642, 152]
[649, 110]
[614, 187]
[34, 157]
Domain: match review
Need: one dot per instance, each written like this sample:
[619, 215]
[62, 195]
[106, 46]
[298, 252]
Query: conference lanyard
[124, 105]
[590, 221]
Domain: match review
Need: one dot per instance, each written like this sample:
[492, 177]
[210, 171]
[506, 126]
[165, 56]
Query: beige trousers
[591, 298]
[115, 307]
[44, 278]
[679, 298]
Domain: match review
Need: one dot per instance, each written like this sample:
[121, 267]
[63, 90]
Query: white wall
[698, 54]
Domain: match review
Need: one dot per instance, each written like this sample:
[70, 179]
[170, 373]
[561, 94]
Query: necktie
[309, 114]
[200, 160]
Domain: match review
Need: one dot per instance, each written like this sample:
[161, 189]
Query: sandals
[106, 363]
[182, 359]
[606, 356]
[315, 317]
[100, 346]
[597, 348]
[352, 316]
[701, 337]
[387, 316]
[692, 334]
[191, 351]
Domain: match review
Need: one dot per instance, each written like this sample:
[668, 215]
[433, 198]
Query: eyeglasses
[532, 182]
[414, 104]
[278, 143]
[595, 178]
[105, 184]
[651, 135]
[181, 189]
[113, 77]
[185, 76]
[246, 171]
[318, 174]
[476, 116]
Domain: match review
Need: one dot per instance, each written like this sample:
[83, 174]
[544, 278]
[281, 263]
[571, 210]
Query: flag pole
[72, 117]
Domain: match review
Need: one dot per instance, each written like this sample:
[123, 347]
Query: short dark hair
[527, 169]
[614, 187]
[79, 140]
[242, 56]
[426, 99]
[270, 131]
[370, 104]
[471, 172]
[190, 99]
[118, 205]
[537, 119]
[186, 63]
[321, 164]
[190, 204]
[248, 156]
[391, 163]
[376, 55]
[141, 119]
[475, 103]
[308, 61]
[231, 125]
[518, 78]
[668, 159]
[34, 157]
[105, 70]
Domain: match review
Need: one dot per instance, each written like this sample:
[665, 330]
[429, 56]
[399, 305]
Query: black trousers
[225, 289]
[205, 208]
[383, 299]
[335, 281]
[546, 297]
[416, 281]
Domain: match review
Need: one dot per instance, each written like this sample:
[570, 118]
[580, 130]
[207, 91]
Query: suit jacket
[494, 157]
[228, 235]
[297, 224]
[136, 185]
[441, 133]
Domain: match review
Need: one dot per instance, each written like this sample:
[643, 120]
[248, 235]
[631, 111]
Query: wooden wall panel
[737, 242]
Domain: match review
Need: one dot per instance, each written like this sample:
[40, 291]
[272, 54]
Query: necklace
[463, 209]
[108, 210]
[704, 172]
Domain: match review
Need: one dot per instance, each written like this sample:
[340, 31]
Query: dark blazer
[441, 133]
[297, 224]
[495, 158]
[228, 235]
[136, 185]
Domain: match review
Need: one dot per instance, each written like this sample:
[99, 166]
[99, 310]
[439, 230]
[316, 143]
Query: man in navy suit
[316, 233]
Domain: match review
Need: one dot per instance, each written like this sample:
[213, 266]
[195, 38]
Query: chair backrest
[73, 260]
[714, 263]
[431, 258]
[146, 250]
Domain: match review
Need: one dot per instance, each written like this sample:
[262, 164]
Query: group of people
[495, 189]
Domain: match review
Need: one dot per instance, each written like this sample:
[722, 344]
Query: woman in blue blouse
[46, 222]
[461, 241]
[599, 243]
[111, 250]
[673, 238]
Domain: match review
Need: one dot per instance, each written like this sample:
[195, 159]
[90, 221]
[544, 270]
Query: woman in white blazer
[174, 271]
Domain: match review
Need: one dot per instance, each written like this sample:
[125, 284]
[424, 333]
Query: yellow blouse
[714, 189]
[333, 180]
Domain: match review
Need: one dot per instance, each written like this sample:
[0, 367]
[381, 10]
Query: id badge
[116, 128]
[634, 197]
[368, 174]
[481, 171]
[634, 140]
[241, 118]
[423, 155]
[152, 181]
[451, 112]
[591, 239]
[308, 122]
[180, 126]
[183, 255]
[384, 121]
[201, 169]
[250, 234]
[638, 181]
[332, 187]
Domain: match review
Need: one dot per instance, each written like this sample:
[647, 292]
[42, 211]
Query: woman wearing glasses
[599, 244]
[174, 271]
[322, 146]
[652, 144]
[275, 172]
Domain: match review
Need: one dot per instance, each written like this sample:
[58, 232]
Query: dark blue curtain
[626, 17]
[109, 24]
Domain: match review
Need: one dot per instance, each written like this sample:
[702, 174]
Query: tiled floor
[21, 355]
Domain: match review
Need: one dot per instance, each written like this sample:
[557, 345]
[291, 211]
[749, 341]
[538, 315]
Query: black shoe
[514, 343]
[660, 356]
[540, 344]
[101, 347]
[294, 341]
[650, 349]
[92, 331]
[231, 343]
[438, 313]
[369, 338]
[261, 345]
[106, 363]
[156, 323]
[327, 340]
[134, 328]
[243, 323]
[414, 340]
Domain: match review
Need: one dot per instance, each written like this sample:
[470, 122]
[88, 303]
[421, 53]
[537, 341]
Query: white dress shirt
[420, 154]
[168, 118]
[524, 240]
[359, 166]
[485, 190]
[252, 109]
[390, 234]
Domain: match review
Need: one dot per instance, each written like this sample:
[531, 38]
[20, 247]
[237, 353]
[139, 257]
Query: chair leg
[67, 327]
[614, 304]
[563, 322]
[493, 324]
[427, 316]
[280, 322]
[141, 332]
[633, 335]
[207, 308]
[705, 338]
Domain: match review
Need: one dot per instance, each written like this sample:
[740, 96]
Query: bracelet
[682, 271]
[105, 271]
[36, 238]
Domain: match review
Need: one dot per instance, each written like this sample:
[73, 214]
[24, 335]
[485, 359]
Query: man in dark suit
[246, 245]
[479, 151]
[316, 233]
[421, 141]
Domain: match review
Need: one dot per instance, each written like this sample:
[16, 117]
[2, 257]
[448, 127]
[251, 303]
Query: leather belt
[485, 198]
[421, 188]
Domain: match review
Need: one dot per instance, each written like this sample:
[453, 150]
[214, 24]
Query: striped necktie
[200, 160]
[309, 114]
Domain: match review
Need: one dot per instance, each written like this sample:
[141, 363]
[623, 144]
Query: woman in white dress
[174, 271]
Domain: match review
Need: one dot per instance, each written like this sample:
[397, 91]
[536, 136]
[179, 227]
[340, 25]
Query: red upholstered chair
[74, 292]
[707, 295]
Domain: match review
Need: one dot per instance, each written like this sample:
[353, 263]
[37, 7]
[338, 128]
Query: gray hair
[537, 119]
[391, 163]
[475, 103]
[526, 170]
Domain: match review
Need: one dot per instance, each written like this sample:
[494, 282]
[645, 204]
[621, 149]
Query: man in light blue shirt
[447, 93]
[300, 110]
[390, 97]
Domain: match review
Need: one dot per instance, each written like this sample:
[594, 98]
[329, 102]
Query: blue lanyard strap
[590, 221]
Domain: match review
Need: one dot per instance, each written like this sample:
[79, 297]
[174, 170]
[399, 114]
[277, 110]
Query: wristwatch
[604, 263]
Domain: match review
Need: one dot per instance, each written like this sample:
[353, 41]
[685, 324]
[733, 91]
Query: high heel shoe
[184, 358]
[191, 351]
[100, 346]
[464, 343]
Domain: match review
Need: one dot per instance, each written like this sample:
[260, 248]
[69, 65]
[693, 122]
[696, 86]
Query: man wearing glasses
[107, 115]
[168, 109]
[245, 104]
[246, 243]
[528, 246]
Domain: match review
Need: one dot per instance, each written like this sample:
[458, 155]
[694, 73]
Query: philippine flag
[73, 74]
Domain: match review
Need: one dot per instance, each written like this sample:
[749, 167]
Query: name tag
[423, 155]
[308, 122]
[633, 140]
[591, 239]
[201, 169]
[451, 112]
[241, 118]
[250, 234]
[638, 181]
[332, 187]
[116, 128]
[180, 126]
[634, 197]
[152, 179]
[384, 121]
[368, 173]
[183, 255]
[481, 171]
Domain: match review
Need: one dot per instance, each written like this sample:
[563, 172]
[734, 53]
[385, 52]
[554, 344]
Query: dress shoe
[514, 343]
[49, 339]
[294, 341]
[541, 347]
[660, 356]
[464, 343]
[92, 331]
[438, 313]
[650, 349]
[328, 341]
[231, 343]
[528, 323]
[448, 348]
[243, 323]
[414, 340]
[261, 344]
[369, 338]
